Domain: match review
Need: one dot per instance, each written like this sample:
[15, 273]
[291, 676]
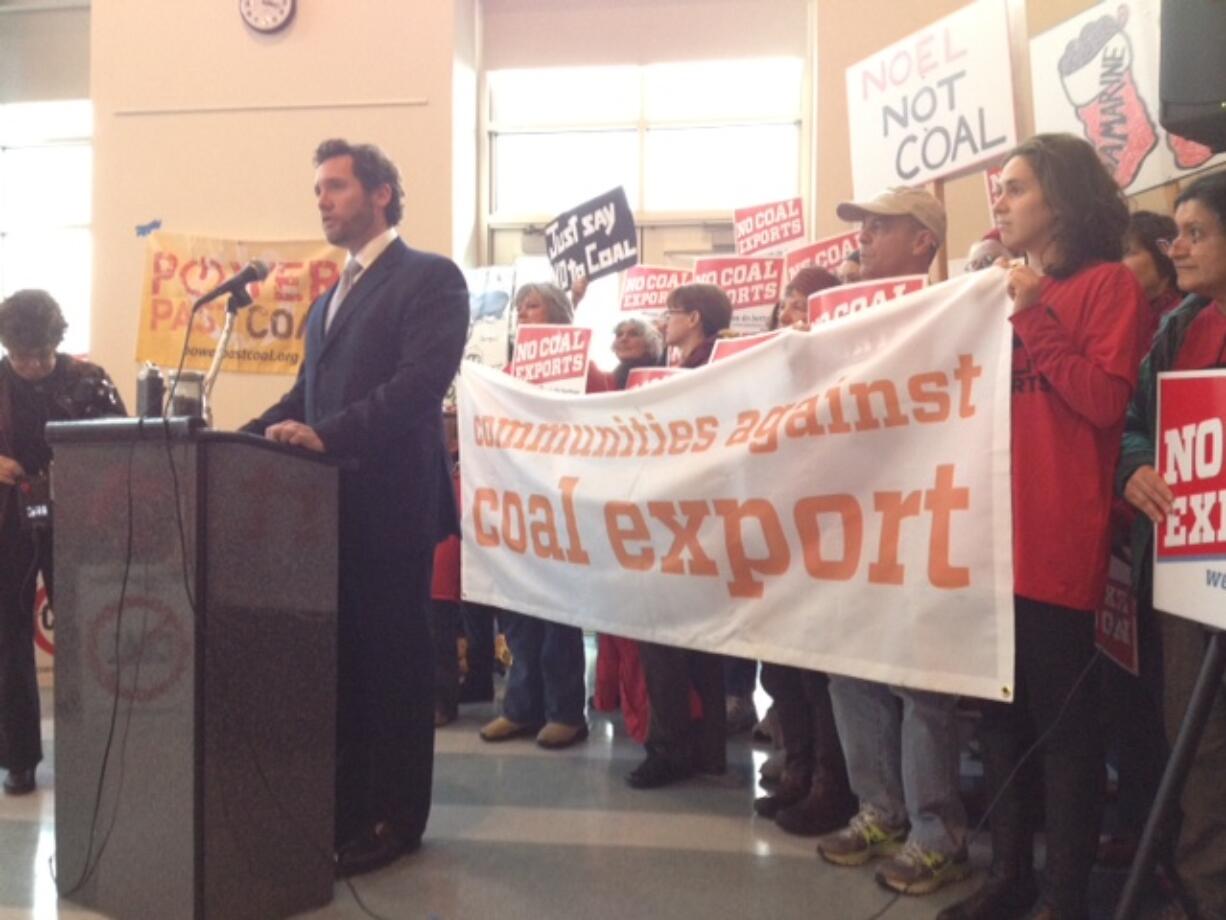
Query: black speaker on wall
[1192, 70]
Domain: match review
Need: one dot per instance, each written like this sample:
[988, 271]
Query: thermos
[150, 391]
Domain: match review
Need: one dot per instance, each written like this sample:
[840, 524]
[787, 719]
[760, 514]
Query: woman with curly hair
[1077, 318]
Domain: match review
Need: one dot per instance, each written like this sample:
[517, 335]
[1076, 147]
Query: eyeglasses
[1194, 236]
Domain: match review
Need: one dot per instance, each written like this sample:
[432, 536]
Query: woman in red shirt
[1077, 318]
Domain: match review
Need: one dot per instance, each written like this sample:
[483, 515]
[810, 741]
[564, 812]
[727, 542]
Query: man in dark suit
[382, 346]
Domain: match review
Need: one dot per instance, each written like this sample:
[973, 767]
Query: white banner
[836, 499]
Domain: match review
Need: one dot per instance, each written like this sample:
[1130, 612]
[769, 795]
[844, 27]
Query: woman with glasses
[1193, 337]
[1077, 316]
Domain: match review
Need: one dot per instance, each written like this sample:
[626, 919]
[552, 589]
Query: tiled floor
[518, 832]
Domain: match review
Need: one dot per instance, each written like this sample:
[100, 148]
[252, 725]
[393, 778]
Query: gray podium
[195, 671]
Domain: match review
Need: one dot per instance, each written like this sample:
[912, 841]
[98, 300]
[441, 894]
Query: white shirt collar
[374, 248]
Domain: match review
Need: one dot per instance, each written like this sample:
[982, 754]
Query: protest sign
[828, 253]
[992, 185]
[1096, 76]
[935, 104]
[754, 285]
[593, 240]
[489, 328]
[837, 302]
[1190, 545]
[645, 288]
[269, 335]
[768, 227]
[837, 500]
[727, 347]
[1115, 625]
[641, 376]
[553, 357]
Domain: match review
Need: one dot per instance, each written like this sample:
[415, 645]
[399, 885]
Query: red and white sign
[753, 285]
[1190, 545]
[935, 104]
[835, 303]
[554, 357]
[994, 188]
[768, 227]
[641, 376]
[726, 348]
[828, 253]
[1115, 629]
[645, 288]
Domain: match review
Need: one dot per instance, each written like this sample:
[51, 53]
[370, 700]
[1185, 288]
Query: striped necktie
[352, 269]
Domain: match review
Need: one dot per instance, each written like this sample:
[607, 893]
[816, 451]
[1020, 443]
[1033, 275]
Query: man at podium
[382, 346]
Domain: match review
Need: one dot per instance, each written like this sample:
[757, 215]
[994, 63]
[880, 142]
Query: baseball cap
[897, 200]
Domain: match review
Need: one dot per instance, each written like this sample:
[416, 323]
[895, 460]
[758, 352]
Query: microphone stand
[237, 301]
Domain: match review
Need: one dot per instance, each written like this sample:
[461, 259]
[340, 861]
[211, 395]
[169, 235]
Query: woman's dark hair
[1210, 191]
[710, 302]
[372, 168]
[1088, 206]
[31, 320]
[809, 281]
[1145, 228]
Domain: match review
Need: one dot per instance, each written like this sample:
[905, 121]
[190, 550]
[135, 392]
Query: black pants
[21, 558]
[444, 630]
[1054, 649]
[812, 752]
[672, 734]
[385, 693]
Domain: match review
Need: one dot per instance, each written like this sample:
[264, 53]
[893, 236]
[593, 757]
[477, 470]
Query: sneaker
[865, 837]
[919, 870]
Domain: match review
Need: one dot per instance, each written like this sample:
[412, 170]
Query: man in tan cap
[900, 745]
[901, 230]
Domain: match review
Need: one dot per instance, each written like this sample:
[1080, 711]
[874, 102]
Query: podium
[195, 671]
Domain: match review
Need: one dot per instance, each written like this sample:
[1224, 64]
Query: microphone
[255, 271]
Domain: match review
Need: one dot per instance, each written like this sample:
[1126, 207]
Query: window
[681, 138]
[689, 142]
[46, 176]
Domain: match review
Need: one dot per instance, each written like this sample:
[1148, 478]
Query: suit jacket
[372, 388]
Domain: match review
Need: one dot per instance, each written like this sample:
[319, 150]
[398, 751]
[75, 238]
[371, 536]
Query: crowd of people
[873, 771]
[1101, 302]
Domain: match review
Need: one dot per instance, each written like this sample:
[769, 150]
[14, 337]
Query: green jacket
[1139, 448]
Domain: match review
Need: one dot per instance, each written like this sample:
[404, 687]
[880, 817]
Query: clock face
[267, 15]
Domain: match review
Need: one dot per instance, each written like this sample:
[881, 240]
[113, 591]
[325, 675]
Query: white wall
[210, 128]
[44, 52]
[555, 33]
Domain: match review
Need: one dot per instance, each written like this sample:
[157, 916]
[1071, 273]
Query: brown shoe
[556, 735]
[503, 729]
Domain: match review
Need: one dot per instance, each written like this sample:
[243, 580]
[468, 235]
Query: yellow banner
[269, 335]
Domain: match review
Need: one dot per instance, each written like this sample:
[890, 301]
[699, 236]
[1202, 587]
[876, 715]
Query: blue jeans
[903, 763]
[548, 669]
